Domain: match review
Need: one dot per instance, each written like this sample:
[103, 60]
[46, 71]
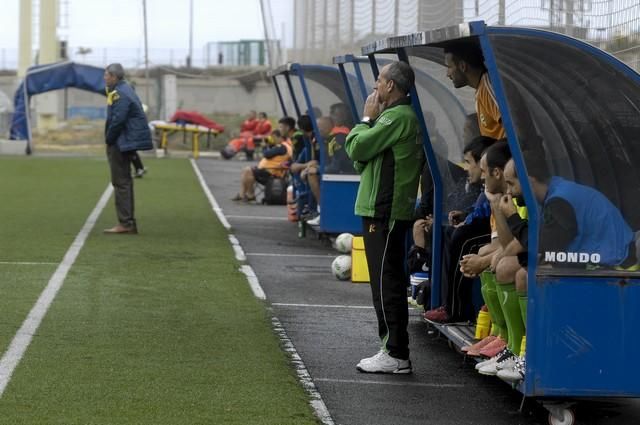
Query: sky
[119, 23]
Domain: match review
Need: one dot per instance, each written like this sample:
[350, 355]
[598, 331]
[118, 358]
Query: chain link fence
[325, 28]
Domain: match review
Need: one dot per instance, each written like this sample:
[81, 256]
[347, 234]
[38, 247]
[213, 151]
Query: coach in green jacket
[387, 152]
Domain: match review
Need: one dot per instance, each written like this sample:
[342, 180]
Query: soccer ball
[343, 242]
[341, 267]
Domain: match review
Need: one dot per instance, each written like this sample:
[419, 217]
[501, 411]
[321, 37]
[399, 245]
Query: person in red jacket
[250, 123]
[260, 134]
[253, 130]
[263, 128]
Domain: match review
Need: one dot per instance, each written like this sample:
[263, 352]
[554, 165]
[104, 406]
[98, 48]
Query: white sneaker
[508, 359]
[384, 363]
[314, 221]
[373, 358]
[492, 359]
[515, 373]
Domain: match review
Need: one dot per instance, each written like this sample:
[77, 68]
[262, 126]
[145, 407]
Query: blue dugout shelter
[318, 90]
[44, 78]
[579, 107]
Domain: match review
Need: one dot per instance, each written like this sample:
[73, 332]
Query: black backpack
[275, 191]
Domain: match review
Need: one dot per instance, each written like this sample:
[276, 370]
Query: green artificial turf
[158, 328]
[44, 203]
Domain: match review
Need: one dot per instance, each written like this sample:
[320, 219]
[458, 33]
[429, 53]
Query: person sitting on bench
[273, 164]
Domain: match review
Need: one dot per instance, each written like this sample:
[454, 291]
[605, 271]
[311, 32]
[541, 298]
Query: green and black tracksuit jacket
[389, 158]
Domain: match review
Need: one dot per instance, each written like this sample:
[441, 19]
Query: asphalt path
[332, 326]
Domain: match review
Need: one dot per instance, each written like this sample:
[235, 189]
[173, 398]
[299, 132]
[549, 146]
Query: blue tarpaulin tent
[44, 78]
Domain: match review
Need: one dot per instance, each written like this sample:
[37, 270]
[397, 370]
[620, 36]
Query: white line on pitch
[269, 254]
[253, 282]
[316, 401]
[394, 383]
[237, 248]
[26, 263]
[303, 374]
[253, 217]
[23, 337]
[322, 305]
[214, 204]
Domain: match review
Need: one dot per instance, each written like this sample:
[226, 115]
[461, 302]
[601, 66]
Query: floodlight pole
[146, 55]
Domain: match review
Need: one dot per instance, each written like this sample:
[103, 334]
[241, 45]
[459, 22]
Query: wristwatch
[366, 120]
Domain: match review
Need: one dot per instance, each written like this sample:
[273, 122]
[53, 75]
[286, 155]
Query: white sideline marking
[214, 204]
[322, 306]
[253, 217]
[303, 374]
[395, 383]
[235, 244]
[268, 254]
[23, 337]
[316, 402]
[253, 282]
[26, 263]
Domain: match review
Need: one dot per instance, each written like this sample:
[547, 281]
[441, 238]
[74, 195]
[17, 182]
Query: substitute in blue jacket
[126, 131]
[581, 227]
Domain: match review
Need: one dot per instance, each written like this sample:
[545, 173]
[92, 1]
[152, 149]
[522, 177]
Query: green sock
[491, 299]
[523, 299]
[511, 310]
[495, 331]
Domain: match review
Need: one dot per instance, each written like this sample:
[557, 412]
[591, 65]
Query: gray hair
[402, 75]
[116, 70]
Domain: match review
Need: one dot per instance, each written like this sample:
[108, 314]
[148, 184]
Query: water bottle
[302, 229]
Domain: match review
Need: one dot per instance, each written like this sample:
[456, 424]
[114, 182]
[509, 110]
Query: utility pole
[147, 97]
[396, 17]
[352, 22]
[324, 27]
[373, 18]
[336, 32]
[267, 40]
[569, 18]
[190, 57]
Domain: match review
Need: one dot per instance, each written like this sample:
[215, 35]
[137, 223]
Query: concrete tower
[25, 54]
[49, 52]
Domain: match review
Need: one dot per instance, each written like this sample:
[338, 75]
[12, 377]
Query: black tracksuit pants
[456, 290]
[385, 245]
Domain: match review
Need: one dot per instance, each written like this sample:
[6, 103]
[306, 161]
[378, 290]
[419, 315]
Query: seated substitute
[305, 164]
[572, 232]
[509, 283]
[274, 163]
[464, 235]
[335, 136]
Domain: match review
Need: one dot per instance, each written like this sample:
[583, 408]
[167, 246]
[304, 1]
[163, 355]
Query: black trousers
[456, 290]
[385, 244]
[120, 166]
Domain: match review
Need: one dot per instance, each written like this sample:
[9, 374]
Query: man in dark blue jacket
[126, 131]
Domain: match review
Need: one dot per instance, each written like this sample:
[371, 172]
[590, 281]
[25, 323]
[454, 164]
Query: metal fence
[324, 28]
[237, 53]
